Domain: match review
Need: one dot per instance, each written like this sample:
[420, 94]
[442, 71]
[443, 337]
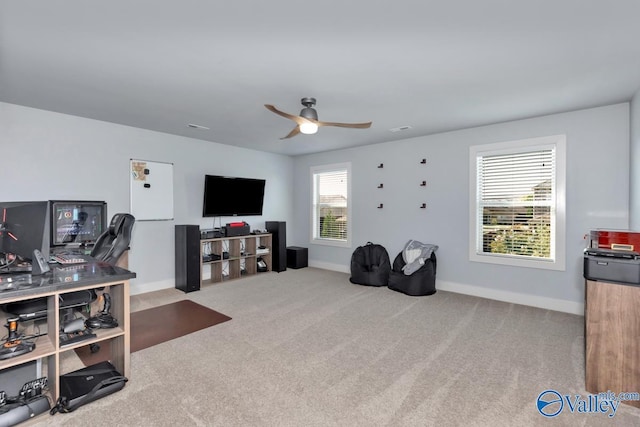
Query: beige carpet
[307, 348]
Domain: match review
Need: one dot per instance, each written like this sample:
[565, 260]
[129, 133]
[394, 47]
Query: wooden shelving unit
[225, 258]
[48, 347]
[242, 258]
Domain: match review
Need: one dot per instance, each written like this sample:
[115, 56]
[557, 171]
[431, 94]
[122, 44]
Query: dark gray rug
[157, 325]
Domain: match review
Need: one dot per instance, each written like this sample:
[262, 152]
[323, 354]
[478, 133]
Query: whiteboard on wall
[151, 190]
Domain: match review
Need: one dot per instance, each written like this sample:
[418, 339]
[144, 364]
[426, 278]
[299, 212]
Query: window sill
[331, 242]
[515, 261]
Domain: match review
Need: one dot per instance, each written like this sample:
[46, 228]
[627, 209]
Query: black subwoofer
[297, 257]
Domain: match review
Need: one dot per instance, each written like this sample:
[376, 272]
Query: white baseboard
[142, 288]
[329, 266]
[547, 303]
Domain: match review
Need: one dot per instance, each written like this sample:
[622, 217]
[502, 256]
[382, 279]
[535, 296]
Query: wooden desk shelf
[48, 348]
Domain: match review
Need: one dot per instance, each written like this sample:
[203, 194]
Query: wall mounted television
[232, 196]
[77, 222]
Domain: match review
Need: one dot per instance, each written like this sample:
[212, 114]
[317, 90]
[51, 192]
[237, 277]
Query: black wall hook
[381, 185]
[381, 165]
[423, 206]
[380, 206]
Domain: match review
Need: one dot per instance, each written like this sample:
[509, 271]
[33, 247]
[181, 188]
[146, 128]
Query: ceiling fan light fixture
[308, 128]
[309, 113]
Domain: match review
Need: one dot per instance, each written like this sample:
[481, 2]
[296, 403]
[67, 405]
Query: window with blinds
[331, 204]
[516, 194]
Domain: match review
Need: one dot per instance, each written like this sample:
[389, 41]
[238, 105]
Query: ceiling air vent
[191, 125]
[400, 128]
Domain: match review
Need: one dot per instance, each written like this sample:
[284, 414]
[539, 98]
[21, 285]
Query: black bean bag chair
[370, 265]
[417, 281]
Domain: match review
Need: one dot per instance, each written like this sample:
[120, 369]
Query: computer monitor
[23, 228]
[77, 223]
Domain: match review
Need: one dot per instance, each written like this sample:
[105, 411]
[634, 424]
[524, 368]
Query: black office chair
[115, 241]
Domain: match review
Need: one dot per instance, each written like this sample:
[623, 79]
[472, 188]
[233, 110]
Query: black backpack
[370, 265]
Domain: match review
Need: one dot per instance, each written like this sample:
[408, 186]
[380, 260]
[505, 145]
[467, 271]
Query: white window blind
[516, 203]
[517, 207]
[331, 204]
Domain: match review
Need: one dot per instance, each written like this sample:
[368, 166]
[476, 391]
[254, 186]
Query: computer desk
[58, 281]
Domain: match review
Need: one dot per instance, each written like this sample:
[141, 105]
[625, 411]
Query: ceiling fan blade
[296, 119]
[294, 132]
[345, 125]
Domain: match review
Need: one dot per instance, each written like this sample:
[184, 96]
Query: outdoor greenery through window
[516, 194]
[516, 201]
[331, 204]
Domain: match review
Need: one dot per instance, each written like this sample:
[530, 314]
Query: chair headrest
[119, 222]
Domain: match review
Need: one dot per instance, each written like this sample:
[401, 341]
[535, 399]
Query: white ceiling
[433, 65]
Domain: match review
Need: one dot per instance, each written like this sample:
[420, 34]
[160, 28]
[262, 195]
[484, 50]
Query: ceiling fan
[307, 121]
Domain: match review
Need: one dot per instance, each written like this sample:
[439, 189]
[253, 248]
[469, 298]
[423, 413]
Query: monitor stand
[39, 265]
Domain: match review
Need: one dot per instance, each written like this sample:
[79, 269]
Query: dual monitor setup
[28, 232]
[47, 226]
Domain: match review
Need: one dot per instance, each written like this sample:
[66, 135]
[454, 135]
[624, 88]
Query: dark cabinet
[187, 258]
[278, 229]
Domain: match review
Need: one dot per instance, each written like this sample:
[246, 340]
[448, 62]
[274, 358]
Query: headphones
[101, 321]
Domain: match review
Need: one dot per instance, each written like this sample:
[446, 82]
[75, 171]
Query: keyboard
[74, 337]
[13, 269]
[65, 259]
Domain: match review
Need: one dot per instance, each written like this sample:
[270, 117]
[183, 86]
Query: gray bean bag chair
[414, 269]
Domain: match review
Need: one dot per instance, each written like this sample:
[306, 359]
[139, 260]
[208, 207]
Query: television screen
[232, 196]
[77, 222]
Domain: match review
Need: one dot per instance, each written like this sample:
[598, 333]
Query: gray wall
[634, 160]
[54, 156]
[49, 156]
[597, 197]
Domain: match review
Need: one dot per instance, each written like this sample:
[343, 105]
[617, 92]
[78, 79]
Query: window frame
[558, 230]
[314, 218]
